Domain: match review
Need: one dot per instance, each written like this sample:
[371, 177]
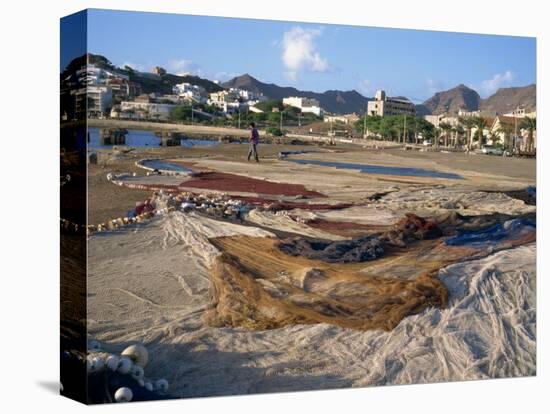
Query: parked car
[490, 150]
[427, 142]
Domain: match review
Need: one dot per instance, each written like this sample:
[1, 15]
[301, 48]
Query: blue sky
[313, 56]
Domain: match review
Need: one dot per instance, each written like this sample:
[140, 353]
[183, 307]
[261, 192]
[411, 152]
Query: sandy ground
[149, 282]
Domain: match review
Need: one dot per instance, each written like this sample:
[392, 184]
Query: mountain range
[459, 97]
[332, 100]
[463, 97]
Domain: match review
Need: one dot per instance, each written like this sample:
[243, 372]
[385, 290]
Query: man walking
[253, 139]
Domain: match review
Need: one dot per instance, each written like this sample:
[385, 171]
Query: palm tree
[459, 132]
[530, 124]
[480, 123]
[468, 123]
[437, 135]
[495, 137]
[446, 128]
[505, 130]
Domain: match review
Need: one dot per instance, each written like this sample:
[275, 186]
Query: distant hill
[503, 101]
[450, 101]
[338, 102]
[507, 99]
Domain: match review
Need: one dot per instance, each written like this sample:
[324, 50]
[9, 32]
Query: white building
[344, 119]
[248, 96]
[437, 120]
[227, 101]
[384, 105]
[224, 96]
[306, 105]
[94, 75]
[145, 110]
[520, 112]
[190, 92]
[465, 113]
[93, 100]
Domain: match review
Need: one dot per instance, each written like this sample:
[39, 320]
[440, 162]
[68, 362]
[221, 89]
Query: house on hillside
[229, 102]
[190, 92]
[123, 88]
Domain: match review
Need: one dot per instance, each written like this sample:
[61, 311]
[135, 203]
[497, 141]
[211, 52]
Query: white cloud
[136, 66]
[500, 80]
[183, 66]
[368, 88]
[224, 76]
[300, 52]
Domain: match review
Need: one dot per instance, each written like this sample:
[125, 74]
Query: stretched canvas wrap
[257, 206]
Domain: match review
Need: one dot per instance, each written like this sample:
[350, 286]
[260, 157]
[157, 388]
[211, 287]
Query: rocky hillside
[507, 99]
[339, 102]
[503, 101]
[450, 101]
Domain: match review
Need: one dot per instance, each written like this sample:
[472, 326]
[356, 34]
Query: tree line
[468, 132]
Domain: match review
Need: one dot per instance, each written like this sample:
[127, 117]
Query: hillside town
[95, 88]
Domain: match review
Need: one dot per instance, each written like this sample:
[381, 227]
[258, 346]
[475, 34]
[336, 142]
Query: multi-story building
[306, 105]
[228, 102]
[123, 88]
[384, 105]
[193, 93]
[93, 100]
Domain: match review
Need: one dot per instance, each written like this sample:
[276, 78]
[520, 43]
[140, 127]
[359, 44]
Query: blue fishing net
[508, 230]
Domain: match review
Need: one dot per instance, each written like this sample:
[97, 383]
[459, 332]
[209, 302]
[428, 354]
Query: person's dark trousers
[253, 151]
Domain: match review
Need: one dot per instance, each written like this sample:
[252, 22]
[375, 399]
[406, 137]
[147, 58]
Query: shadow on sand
[211, 372]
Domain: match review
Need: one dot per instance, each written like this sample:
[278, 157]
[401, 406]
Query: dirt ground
[107, 201]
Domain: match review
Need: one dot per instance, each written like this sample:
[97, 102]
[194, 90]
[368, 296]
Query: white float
[138, 354]
[161, 385]
[124, 394]
[112, 362]
[137, 372]
[125, 365]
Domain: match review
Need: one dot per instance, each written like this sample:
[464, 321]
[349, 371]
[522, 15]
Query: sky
[315, 57]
